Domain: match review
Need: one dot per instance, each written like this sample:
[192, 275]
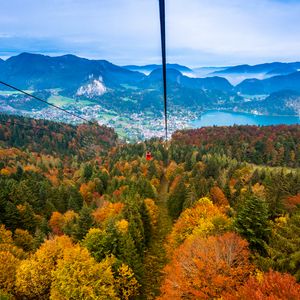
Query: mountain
[177, 78]
[207, 71]
[267, 68]
[284, 102]
[147, 69]
[270, 85]
[289, 100]
[33, 71]
[283, 70]
[124, 99]
[237, 74]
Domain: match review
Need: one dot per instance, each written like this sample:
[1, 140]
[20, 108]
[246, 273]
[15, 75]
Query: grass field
[129, 87]
[8, 93]
[63, 101]
[127, 99]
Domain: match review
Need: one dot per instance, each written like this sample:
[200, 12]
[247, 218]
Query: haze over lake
[221, 118]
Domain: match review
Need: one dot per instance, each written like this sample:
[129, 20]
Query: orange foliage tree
[203, 218]
[62, 223]
[218, 196]
[86, 190]
[292, 202]
[56, 223]
[269, 286]
[107, 211]
[205, 268]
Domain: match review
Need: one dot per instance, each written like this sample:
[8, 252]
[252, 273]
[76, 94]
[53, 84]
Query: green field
[63, 101]
[8, 93]
[129, 87]
[127, 99]
[106, 116]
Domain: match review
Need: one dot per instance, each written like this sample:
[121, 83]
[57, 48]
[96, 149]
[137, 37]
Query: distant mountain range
[32, 71]
[128, 89]
[147, 69]
[270, 85]
[275, 68]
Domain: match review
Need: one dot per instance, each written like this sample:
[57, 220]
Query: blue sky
[199, 32]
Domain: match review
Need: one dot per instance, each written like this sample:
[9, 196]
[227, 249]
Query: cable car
[148, 155]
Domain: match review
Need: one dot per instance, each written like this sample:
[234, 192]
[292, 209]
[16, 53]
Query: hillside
[270, 85]
[147, 69]
[38, 72]
[276, 68]
[47, 137]
[84, 216]
[131, 102]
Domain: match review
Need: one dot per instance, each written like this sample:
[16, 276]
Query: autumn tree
[7, 244]
[79, 276]
[203, 219]
[291, 203]
[23, 239]
[126, 284]
[218, 196]
[56, 223]
[153, 212]
[271, 285]
[8, 267]
[106, 212]
[34, 275]
[205, 268]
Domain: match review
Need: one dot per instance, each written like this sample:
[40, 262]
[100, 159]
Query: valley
[86, 216]
[129, 98]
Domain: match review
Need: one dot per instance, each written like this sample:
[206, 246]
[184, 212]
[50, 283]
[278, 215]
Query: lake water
[221, 118]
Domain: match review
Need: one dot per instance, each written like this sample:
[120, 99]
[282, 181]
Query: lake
[221, 118]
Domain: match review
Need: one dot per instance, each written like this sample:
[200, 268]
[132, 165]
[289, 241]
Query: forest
[215, 214]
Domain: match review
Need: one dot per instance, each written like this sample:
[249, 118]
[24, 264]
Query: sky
[199, 32]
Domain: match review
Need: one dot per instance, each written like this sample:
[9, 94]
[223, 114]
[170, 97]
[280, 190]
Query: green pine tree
[252, 222]
[284, 248]
[84, 223]
[176, 200]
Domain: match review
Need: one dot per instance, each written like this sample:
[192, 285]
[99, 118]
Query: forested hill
[268, 145]
[197, 221]
[55, 138]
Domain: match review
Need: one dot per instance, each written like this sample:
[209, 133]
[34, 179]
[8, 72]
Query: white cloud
[199, 32]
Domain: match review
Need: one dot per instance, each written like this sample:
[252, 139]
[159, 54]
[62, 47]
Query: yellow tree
[7, 243]
[79, 276]
[23, 239]
[152, 209]
[126, 284]
[34, 275]
[8, 267]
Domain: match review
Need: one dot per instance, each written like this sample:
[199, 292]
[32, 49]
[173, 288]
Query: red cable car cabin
[148, 155]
